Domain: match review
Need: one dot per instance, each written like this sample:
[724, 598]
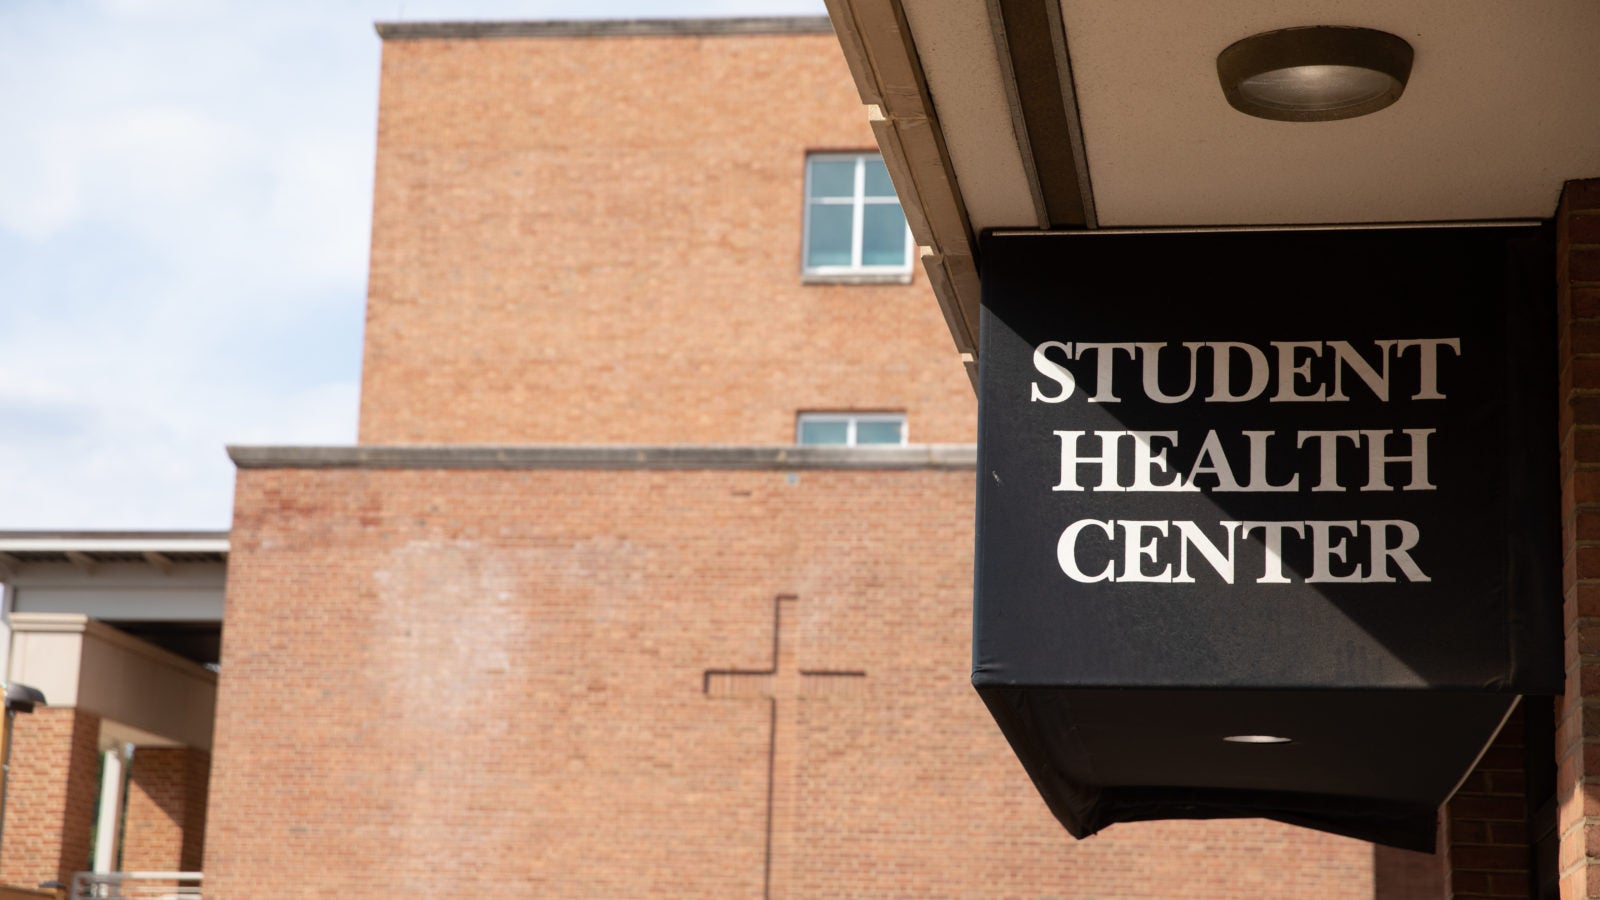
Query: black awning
[1287, 484]
[1369, 765]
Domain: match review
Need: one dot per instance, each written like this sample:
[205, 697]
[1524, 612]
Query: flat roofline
[114, 541]
[8, 535]
[559, 28]
[674, 457]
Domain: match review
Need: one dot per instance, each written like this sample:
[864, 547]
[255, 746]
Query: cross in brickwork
[782, 685]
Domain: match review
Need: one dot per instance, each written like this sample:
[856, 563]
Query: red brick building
[578, 617]
[612, 598]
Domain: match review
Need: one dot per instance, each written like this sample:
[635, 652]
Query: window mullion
[858, 212]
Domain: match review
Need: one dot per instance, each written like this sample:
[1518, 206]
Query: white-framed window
[854, 226]
[850, 429]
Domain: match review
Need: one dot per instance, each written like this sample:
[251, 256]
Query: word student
[1307, 371]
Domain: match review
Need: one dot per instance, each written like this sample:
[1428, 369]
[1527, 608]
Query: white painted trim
[114, 545]
[8, 599]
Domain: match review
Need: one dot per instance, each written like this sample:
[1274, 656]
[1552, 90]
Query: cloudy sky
[184, 210]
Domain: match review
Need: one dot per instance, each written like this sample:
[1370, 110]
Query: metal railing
[135, 886]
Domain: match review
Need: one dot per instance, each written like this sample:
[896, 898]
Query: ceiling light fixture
[1314, 74]
[1257, 739]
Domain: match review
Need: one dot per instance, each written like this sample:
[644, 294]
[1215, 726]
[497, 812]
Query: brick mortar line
[1575, 715]
[1577, 664]
[1580, 822]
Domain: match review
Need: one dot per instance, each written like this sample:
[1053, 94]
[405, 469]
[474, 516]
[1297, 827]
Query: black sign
[1312, 474]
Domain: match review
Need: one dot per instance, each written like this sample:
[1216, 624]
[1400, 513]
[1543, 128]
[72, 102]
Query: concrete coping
[409, 31]
[610, 456]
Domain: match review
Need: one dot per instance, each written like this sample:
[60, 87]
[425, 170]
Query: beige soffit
[973, 108]
[878, 46]
[1498, 114]
[1499, 111]
[963, 71]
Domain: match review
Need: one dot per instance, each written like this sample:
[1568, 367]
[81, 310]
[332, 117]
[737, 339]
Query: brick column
[55, 767]
[1578, 725]
[1486, 821]
[164, 829]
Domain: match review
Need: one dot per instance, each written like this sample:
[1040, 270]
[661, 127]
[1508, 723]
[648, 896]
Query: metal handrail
[135, 886]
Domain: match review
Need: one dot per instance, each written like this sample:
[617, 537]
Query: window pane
[829, 243]
[878, 432]
[833, 177]
[812, 432]
[884, 240]
[878, 183]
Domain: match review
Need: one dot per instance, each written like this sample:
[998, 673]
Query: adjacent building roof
[90, 548]
[405, 31]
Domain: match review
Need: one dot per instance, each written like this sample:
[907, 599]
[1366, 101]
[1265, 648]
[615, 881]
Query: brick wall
[501, 677]
[1578, 729]
[459, 682]
[164, 825]
[55, 767]
[1486, 821]
[1408, 875]
[597, 240]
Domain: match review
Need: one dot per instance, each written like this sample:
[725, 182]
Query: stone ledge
[613, 456]
[407, 31]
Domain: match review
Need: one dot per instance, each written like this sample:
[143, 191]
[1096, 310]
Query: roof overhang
[90, 549]
[1084, 114]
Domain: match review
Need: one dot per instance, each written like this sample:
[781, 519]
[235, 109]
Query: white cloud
[183, 238]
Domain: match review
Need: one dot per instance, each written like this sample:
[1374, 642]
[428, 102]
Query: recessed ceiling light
[1314, 74]
[1257, 739]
